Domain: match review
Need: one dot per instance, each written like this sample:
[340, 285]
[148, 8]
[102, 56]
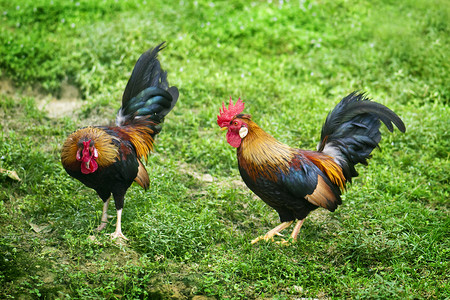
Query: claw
[257, 239]
[119, 234]
[276, 231]
[101, 226]
[284, 242]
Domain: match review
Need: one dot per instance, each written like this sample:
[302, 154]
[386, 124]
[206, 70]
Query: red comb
[225, 116]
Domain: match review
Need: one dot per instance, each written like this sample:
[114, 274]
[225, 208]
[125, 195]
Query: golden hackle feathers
[103, 142]
[141, 138]
[262, 154]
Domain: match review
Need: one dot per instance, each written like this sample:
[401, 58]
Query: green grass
[291, 61]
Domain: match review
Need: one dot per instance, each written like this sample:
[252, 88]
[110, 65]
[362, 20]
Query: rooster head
[232, 120]
[87, 154]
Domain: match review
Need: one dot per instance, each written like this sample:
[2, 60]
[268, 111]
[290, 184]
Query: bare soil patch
[64, 105]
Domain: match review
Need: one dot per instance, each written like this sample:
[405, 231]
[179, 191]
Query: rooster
[108, 159]
[293, 181]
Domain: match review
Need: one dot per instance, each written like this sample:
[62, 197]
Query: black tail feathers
[351, 131]
[147, 94]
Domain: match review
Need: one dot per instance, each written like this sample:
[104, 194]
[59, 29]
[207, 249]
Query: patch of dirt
[6, 87]
[198, 297]
[68, 101]
[179, 287]
[187, 169]
[120, 256]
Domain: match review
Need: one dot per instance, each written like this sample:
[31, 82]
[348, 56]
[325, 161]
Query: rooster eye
[235, 123]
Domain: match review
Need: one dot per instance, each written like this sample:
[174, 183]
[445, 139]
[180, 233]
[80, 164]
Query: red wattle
[93, 166]
[233, 139]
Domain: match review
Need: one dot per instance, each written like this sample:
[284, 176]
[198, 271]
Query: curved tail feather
[147, 99]
[351, 131]
[147, 95]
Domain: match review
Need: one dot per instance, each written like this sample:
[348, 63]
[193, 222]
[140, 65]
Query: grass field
[291, 61]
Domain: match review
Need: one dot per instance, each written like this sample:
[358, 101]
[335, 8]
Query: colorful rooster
[108, 159]
[295, 182]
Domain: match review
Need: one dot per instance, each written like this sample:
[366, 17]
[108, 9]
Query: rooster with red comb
[108, 158]
[295, 182]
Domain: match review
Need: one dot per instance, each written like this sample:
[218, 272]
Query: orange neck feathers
[261, 154]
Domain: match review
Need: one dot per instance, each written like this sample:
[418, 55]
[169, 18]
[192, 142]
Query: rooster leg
[276, 231]
[104, 216]
[118, 233]
[297, 229]
[294, 234]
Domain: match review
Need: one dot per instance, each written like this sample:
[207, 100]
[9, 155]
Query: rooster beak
[224, 128]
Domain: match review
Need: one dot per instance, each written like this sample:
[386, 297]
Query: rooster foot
[257, 239]
[101, 226]
[115, 235]
[267, 237]
[276, 231]
[287, 242]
